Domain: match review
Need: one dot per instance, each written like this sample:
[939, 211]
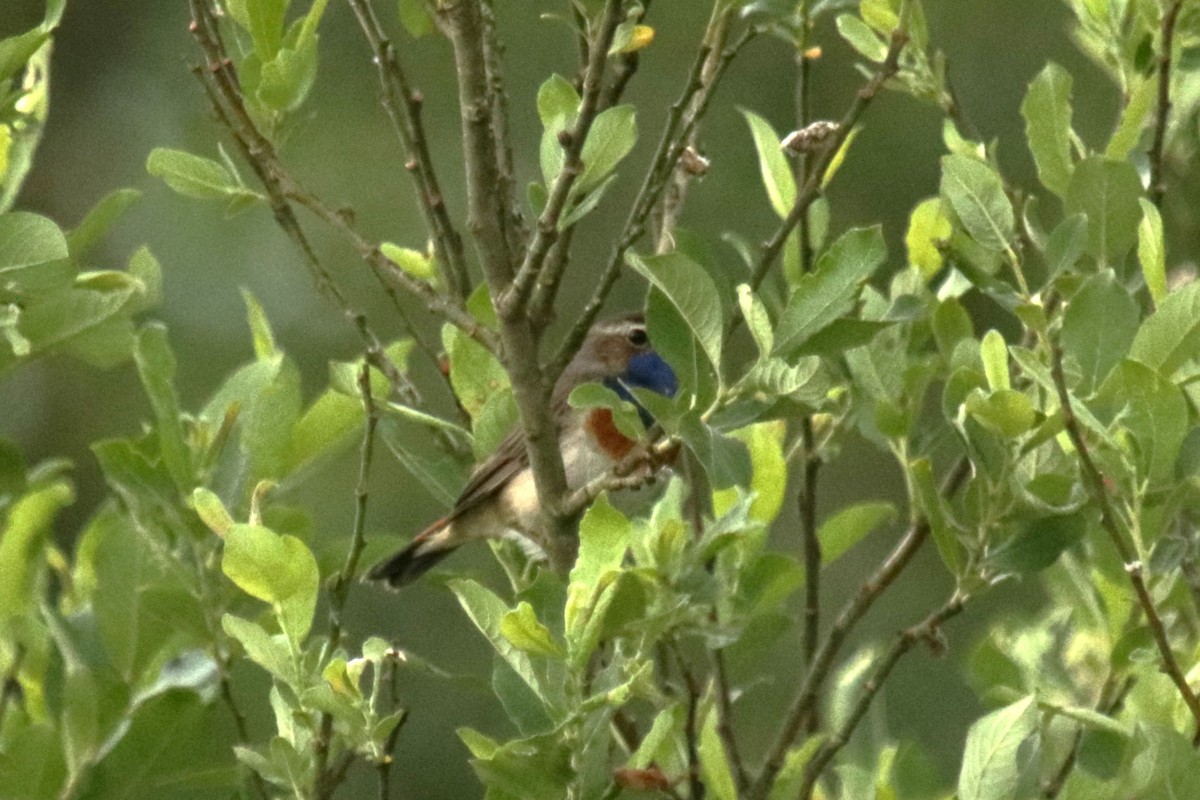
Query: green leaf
[997, 755]
[263, 20]
[1006, 411]
[280, 570]
[1170, 337]
[415, 18]
[1039, 543]
[725, 459]
[98, 221]
[612, 135]
[714, 763]
[993, 352]
[928, 229]
[523, 631]
[117, 604]
[1153, 410]
[414, 262]
[424, 458]
[195, 176]
[15, 51]
[1133, 118]
[976, 193]
[861, 37]
[1047, 113]
[260, 327]
[212, 511]
[933, 507]
[146, 270]
[1066, 244]
[272, 653]
[624, 413]
[758, 322]
[773, 164]
[1107, 192]
[156, 368]
[288, 75]
[851, 525]
[1152, 251]
[558, 104]
[830, 290]
[23, 536]
[769, 473]
[327, 426]
[176, 745]
[604, 536]
[486, 611]
[791, 778]
[475, 374]
[28, 241]
[1098, 328]
[691, 291]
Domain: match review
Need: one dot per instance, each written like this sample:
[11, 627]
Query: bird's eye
[638, 338]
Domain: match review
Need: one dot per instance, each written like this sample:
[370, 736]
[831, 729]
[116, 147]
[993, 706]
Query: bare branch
[403, 105]
[1162, 113]
[486, 217]
[493, 50]
[1108, 520]
[220, 81]
[515, 299]
[812, 187]
[928, 630]
[671, 145]
[670, 208]
[805, 701]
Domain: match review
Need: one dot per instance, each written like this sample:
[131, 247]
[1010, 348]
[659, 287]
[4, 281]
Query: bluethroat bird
[500, 499]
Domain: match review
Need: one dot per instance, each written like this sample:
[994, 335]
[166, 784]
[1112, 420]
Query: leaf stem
[1108, 520]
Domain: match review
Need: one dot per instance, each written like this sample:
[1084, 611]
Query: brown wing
[508, 459]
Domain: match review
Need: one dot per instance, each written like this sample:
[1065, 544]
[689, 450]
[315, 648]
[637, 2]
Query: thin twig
[239, 721]
[1162, 113]
[669, 210]
[514, 300]
[671, 145]
[812, 187]
[463, 23]
[725, 730]
[692, 725]
[493, 57]
[384, 767]
[403, 102]
[1108, 520]
[220, 81]
[1111, 698]
[806, 502]
[805, 701]
[928, 630]
[339, 589]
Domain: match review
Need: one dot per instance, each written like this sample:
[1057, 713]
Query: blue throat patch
[646, 370]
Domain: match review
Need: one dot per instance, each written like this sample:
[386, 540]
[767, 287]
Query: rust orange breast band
[603, 431]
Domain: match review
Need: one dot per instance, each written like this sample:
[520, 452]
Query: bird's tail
[420, 555]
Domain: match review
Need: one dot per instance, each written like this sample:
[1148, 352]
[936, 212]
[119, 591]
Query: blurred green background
[121, 86]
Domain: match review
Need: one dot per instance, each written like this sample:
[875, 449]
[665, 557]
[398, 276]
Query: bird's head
[617, 353]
